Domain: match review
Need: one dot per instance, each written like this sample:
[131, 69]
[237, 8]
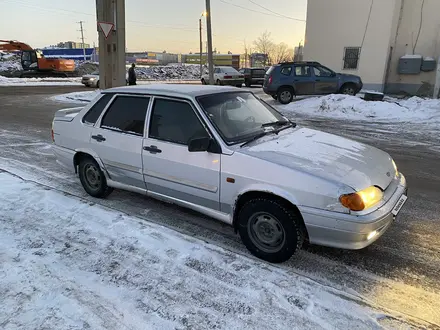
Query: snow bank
[76, 97]
[69, 264]
[168, 72]
[414, 109]
[4, 81]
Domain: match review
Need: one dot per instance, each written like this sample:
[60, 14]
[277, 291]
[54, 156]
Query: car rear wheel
[203, 82]
[247, 83]
[269, 230]
[218, 82]
[93, 179]
[239, 85]
[348, 89]
[285, 95]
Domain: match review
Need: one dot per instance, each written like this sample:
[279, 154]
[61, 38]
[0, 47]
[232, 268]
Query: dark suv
[253, 76]
[285, 80]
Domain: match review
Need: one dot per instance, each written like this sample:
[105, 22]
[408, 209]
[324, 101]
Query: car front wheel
[348, 89]
[203, 82]
[269, 230]
[93, 179]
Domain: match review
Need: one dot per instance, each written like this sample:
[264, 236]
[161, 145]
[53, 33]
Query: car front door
[117, 139]
[304, 82]
[169, 168]
[326, 81]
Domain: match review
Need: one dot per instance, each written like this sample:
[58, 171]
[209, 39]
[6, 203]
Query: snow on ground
[414, 109]
[9, 63]
[176, 71]
[67, 263]
[4, 81]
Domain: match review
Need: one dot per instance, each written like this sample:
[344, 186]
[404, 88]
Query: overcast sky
[156, 25]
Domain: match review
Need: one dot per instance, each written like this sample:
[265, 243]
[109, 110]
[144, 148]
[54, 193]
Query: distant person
[132, 75]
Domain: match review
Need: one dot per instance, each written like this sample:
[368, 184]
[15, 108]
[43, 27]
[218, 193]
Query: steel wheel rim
[266, 232]
[285, 96]
[92, 176]
[349, 91]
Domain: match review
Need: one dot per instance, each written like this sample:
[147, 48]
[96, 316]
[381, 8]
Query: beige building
[391, 44]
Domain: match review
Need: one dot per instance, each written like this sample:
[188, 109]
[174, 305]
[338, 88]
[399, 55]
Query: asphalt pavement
[400, 272]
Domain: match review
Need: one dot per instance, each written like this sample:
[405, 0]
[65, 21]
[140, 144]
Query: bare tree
[281, 53]
[264, 44]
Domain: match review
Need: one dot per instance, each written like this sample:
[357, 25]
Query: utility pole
[208, 31]
[201, 46]
[82, 39]
[111, 49]
[436, 94]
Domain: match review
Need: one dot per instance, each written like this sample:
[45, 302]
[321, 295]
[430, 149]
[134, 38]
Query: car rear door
[168, 167]
[326, 81]
[304, 82]
[117, 138]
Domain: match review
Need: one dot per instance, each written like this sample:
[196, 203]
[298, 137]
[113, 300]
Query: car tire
[348, 89]
[97, 84]
[247, 83]
[275, 97]
[203, 82]
[239, 86]
[270, 230]
[218, 82]
[93, 179]
[285, 95]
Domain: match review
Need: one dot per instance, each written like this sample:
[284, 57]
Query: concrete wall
[406, 25]
[333, 25]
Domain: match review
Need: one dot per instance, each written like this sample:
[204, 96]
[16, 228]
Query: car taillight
[270, 80]
[228, 77]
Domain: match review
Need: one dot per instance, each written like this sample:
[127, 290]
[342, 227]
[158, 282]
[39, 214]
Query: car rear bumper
[350, 231]
[269, 90]
[64, 156]
[232, 82]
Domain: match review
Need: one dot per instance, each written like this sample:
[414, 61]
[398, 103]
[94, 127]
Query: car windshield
[95, 73]
[239, 116]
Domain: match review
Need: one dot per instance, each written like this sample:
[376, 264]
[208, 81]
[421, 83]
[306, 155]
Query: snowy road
[66, 263]
[400, 272]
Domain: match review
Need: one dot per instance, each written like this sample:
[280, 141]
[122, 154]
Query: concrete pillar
[112, 70]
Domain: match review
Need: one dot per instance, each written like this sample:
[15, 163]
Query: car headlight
[395, 168]
[92, 79]
[363, 199]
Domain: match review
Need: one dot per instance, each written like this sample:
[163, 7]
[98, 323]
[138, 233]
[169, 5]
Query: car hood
[90, 76]
[328, 156]
[348, 76]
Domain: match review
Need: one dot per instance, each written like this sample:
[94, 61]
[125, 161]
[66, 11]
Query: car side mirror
[333, 74]
[199, 144]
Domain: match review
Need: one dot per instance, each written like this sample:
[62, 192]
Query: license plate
[399, 205]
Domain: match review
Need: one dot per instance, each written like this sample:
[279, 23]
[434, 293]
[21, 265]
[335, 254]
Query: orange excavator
[35, 64]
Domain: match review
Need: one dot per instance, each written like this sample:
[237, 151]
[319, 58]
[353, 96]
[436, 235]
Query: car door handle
[152, 149]
[98, 138]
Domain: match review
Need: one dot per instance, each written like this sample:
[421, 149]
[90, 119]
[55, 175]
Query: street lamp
[201, 45]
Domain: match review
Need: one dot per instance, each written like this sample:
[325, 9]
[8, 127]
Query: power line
[420, 26]
[278, 14]
[261, 12]
[366, 25]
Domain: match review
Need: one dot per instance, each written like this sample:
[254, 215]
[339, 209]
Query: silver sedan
[229, 155]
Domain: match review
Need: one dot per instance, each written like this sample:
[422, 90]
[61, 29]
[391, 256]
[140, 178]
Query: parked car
[225, 75]
[284, 80]
[253, 76]
[92, 80]
[231, 156]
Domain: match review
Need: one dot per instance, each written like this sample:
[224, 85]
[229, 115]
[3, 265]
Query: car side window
[217, 70]
[302, 71]
[287, 70]
[322, 72]
[175, 121]
[127, 114]
[242, 70]
[93, 114]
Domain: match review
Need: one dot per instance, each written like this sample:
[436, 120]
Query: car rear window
[229, 70]
[93, 114]
[270, 70]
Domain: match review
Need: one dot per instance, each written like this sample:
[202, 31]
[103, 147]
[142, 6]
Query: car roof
[179, 90]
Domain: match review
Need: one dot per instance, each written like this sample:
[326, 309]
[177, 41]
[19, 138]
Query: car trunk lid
[67, 114]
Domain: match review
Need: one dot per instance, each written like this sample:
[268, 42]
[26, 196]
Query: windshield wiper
[278, 123]
[256, 137]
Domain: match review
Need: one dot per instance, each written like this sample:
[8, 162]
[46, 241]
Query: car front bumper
[349, 231]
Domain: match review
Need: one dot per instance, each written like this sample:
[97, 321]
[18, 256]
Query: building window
[351, 57]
